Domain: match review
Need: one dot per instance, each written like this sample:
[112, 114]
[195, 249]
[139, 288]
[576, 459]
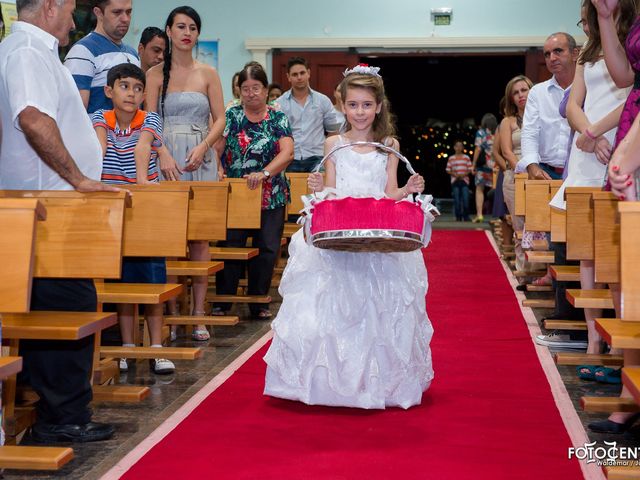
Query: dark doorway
[438, 99]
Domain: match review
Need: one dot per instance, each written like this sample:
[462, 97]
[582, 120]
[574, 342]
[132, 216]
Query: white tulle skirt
[352, 329]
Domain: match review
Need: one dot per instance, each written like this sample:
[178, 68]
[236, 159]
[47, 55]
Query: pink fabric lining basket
[367, 224]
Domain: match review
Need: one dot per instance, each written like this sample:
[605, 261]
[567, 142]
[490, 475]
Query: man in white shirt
[48, 143]
[545, 143]
[310, 113]
[545, 134]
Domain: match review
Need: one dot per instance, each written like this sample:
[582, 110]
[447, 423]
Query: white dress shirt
[545, 134]
[31, 75]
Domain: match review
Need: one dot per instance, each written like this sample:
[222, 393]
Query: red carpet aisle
[489, 413]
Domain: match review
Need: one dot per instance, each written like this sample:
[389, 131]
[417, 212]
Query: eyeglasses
[256, 89]
[580, 23]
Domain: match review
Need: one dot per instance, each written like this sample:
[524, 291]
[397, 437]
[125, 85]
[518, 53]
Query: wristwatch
[266, 174]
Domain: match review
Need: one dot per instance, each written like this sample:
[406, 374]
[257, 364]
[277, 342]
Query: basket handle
[378, 145]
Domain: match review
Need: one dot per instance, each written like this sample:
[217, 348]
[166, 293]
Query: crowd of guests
[121, 116]
[154, 114]
[580, 126]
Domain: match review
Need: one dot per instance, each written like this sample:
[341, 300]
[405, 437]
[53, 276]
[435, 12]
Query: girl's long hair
[626, 13]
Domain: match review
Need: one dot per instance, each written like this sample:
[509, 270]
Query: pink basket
[367, 224]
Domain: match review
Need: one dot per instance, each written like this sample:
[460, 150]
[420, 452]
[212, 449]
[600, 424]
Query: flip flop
[590, 374]
[200, 335]
[608, 375]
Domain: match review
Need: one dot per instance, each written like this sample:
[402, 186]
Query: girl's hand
[622, 184]
[221, 174]
[195, 157]
[605, 8]
[415, 184]
[315, 182]
[586, 143]
[254, 179]
[603, 150]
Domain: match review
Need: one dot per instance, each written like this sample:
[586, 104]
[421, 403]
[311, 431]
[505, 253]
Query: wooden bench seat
[539, 288]
[172, 353]
[214, 320]
[232, 253]
[619, 333]
[609, 404]
[193, 268]
[630, 472]
[34, 458]
[534, 256]
[565, 273]
[10, 366]
[571, 358]
[565, 325]
[539, 303]
[290, 229]
[137, 293]
[41, 325]
[598, 298]
[120, 393]
[540, 245]
[238, 298]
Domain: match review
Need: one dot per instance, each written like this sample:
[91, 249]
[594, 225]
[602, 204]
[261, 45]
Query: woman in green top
[258, 147]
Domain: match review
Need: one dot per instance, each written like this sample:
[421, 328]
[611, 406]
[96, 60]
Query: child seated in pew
[128, 135]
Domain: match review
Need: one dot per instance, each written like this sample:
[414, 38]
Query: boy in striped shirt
[459, 167]
[130, 139]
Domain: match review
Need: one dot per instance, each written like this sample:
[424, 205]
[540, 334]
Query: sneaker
[123, 365]
[558, 339]
[162, 366]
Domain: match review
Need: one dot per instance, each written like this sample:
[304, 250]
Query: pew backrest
[82, 234]
[18, 219]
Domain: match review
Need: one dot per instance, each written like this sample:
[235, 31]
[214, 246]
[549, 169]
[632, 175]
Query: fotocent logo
[609, 455]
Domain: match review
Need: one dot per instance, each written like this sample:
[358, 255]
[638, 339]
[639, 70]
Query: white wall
[234, 21]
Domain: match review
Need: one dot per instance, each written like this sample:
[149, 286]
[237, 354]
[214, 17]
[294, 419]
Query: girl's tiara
[363, 69]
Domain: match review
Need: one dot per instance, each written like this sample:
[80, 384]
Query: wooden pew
[520, 197]
[82, 237]
[606, 243]
[538, 214]
[17, 246]
[558, 219]
[298, 182]
[243, 212]
[581, 245]
[155, 226]
[625, 332]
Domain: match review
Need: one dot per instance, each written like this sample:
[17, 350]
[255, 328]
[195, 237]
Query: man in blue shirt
[310, 113]
[90, 59]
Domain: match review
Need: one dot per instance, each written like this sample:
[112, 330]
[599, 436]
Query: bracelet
[589, 134]
[206, 142]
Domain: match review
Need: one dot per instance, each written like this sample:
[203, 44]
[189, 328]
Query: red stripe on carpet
[488, 415]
